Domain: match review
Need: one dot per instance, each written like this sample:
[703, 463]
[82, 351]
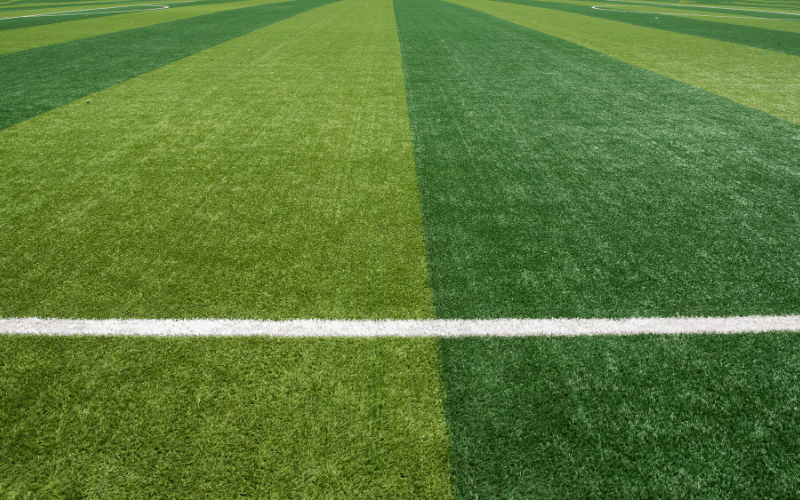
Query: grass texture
[58, 74]
[557, 182]
[692, 416]
[66, 29]
[768, 39]
[104, 417]
[748, 13]
[269, 177]
[768, 81]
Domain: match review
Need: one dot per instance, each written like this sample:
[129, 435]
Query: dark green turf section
[221, 418]
[693, 416]
[48, 77]
[779, 41]
[558, 182]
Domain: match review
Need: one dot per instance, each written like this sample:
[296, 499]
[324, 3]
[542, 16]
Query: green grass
[692, 416]
[558, 182]
[221, 418]
[268, 177]
[259, 164]
[66, 29]
[763, 38]
[767, 82]
[58, 74]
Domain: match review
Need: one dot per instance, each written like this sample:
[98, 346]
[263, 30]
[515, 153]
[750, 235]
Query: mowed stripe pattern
[558, 182]
[273, 176]
[52, 76]
[268, 177]
[758, 78]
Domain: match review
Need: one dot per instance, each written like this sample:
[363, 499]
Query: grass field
[400, 160]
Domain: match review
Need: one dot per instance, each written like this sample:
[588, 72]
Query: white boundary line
[639, 2]
[92, 11]
[597, 7]
[396, 328]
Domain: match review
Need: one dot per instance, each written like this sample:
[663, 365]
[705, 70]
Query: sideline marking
[396, 328]
[92, 11]
[598, 7]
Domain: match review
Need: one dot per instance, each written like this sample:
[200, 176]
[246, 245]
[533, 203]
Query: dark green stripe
[775, 40]
[559, 182]
[35, 81]
[695, 416]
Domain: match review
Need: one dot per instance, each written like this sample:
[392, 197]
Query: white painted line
[624, 11]
[684, 6]
[396, 328]
[699, 6]
[124, 8]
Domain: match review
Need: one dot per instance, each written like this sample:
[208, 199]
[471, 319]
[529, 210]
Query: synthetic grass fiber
[90, 417]
[261, 165]
[13, 40]
[769, 39]
[58, 74]
[30, 15]
[764, 80]
[694, 416]
[269, 177]
[558, 182]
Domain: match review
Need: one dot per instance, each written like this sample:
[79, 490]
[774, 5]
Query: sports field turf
[400, 160]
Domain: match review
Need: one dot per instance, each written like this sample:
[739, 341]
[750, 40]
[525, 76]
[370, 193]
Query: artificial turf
[767, 82]
[690, 416]
[763, 38]
[269, 177]
[273, 176]
[67, 29]
[89, 417]
[54, 75]
[558, 182]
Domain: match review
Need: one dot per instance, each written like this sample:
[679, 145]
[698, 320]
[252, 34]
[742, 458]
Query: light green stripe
[222, 418]
[50, 34]
[762, 79]
[269, 177]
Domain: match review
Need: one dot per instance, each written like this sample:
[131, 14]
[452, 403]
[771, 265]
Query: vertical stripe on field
[762, 79]
[68, 28]
[269, 177]
[38, 80]
[558, 182]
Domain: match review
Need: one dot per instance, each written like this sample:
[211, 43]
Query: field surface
[400, 160]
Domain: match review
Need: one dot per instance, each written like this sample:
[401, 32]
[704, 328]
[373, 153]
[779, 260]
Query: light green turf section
[74, 29]
[722, 16]
[269, 177]
[221, 418]
[762, 79]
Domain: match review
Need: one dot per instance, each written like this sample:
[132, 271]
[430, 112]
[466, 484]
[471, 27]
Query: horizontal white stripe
[396, 328]
[125, 8]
